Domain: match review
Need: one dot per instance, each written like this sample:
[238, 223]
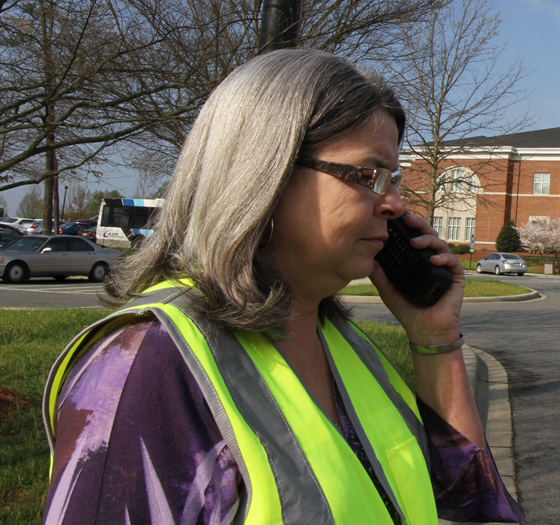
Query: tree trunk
[47, 22]
[56, 205]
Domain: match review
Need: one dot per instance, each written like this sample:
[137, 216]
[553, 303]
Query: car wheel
[521, 274]
[59, 278]
[497, 270]
[15, 273]
[98, 273]
[478, 268]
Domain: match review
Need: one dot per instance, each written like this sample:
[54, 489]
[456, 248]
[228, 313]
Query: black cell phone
[410, 269]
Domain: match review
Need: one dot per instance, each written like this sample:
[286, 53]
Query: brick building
[512, 177]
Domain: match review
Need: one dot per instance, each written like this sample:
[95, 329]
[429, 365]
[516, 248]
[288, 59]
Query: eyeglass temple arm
[342, 171]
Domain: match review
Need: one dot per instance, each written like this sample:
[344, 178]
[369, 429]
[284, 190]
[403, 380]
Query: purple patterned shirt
[136, 444]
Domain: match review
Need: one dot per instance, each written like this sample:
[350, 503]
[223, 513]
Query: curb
[489, 382]
[533, 295]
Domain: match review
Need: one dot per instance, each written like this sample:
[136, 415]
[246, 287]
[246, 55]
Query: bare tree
[455, 87]
[31, 205]
[3, 206]
[80, 76]
[150, 172]
[79, 199]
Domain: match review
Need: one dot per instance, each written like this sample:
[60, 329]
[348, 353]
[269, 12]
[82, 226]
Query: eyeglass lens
[381, 181]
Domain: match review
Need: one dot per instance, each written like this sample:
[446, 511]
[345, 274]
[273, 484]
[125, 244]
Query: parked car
[57, 256]
[73, 228]
[8, 233]
[37, 227]
[502, 263]
[90, 234]
[18, 222]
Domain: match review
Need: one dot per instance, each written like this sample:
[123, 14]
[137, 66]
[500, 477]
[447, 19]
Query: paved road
[47, 293]
[525, 338]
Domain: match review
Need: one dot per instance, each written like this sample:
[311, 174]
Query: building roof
[542, 138]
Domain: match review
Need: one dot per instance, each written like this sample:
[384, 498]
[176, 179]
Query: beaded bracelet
[437, 349]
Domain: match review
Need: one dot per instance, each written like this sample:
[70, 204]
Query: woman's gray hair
[233, 167]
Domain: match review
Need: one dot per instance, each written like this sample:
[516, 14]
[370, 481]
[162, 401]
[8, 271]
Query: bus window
[122, 216]
[141, 216]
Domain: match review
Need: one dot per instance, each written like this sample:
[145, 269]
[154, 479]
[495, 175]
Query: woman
[233, 388]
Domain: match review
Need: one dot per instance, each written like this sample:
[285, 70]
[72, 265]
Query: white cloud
[550, 7]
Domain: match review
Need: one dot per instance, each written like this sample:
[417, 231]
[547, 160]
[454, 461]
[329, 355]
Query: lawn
[473, 288]
[30, 341]
[393, 341]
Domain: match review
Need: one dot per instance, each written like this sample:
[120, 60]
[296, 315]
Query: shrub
[460, 249]
[508, 239]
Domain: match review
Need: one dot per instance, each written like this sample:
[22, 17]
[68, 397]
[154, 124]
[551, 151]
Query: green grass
[487, 288]
[360, 289]
[393, 341]
[473, 288]
[30, 341]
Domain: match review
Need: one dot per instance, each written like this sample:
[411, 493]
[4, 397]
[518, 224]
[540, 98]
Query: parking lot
[47, 293]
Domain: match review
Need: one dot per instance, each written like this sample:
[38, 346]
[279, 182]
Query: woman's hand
[441, 379]
[437, 324]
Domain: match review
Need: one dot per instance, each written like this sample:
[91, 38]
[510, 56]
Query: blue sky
[529, 29]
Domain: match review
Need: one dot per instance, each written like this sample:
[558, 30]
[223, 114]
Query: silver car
[55, 256]
[499, 263]
[18, 222]
[37, 227]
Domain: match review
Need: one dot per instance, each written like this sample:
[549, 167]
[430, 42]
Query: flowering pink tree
[541, 237]
[531, 235]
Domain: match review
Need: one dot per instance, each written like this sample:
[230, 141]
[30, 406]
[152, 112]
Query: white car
[18, 222]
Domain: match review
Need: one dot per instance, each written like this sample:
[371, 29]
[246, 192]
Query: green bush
[508, 238]
[459, 249]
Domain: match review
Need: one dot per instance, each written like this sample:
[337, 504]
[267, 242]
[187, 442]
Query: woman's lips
[378, 242]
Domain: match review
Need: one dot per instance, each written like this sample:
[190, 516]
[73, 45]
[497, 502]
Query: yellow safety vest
[296, 465]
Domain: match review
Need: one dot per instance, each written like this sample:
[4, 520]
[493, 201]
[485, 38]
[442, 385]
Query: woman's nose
[389, 205]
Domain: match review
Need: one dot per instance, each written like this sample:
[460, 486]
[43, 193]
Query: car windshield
[9, 220]
[510, 256]
[26, 244]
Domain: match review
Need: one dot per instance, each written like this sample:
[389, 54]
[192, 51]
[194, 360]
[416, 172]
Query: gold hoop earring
[262, 245]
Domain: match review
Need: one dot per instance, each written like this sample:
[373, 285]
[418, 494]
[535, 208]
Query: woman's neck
[305, 353]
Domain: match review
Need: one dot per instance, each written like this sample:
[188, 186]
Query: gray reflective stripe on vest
[301, 496]
[373, 363]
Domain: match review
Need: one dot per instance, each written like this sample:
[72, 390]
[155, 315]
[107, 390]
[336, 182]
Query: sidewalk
[489, 382]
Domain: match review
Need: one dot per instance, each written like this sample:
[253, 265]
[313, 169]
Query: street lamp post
[65, 182]
[279, 25]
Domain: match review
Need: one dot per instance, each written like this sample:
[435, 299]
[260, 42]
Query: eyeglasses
[376, 179]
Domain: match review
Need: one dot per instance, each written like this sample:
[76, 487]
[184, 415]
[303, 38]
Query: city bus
[123, 223]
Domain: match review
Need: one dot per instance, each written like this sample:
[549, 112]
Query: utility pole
[279, 24]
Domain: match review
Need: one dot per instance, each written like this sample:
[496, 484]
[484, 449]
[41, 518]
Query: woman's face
[326, 230]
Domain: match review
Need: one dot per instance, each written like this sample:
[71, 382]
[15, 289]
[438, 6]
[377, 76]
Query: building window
[457, 181]
[539, 219]
[462, 180]
[454, 229]
[438, 226]
[541, 184]
[469, 229]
